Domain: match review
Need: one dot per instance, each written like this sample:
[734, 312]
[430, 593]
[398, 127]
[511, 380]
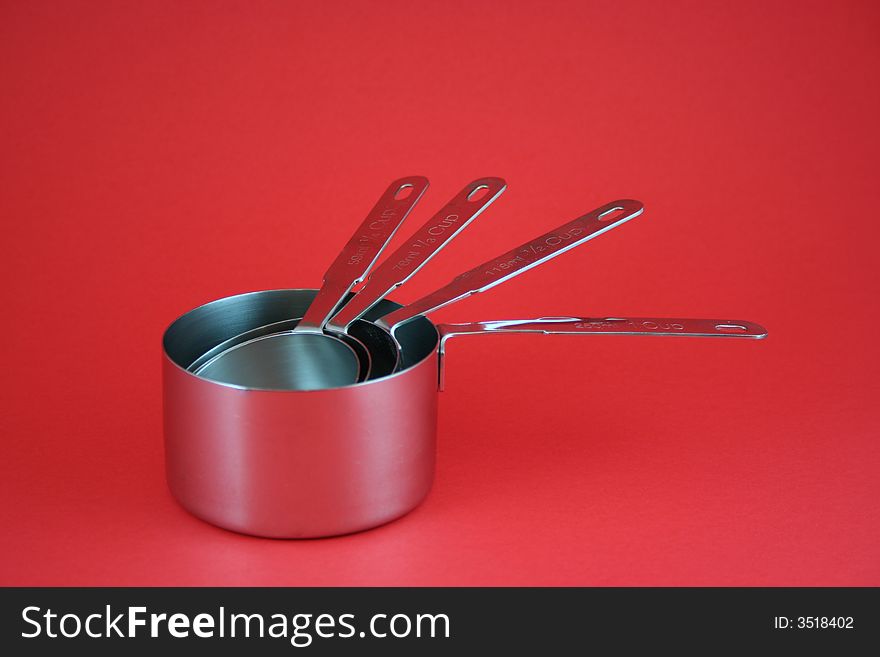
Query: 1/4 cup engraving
[379, 224]
[357, 257]
[377, 235]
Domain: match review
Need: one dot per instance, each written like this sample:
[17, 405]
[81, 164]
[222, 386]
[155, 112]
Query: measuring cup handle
[423, 245]
[657, 326]
[519, 260]
[360, 253]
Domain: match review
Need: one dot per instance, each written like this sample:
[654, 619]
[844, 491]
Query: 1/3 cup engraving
[447, 222]
[418, 247]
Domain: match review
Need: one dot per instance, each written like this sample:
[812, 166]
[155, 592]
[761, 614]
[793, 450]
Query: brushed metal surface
[305, 464]
[420, 248]
[656, 326]
[285, 361]
[496, 271]
[294, 464]
[358, 350]
[350, 267]
[305, 356]
[360, 253]
[518, 260]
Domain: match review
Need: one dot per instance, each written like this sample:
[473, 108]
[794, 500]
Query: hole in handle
[605, 215]
[404, 191]
[731, 328]
[478, 193]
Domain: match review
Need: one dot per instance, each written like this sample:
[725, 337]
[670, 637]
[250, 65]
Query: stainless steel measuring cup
[280, 360]
[350, 267]
[283, 355]
[309, 463]
[388, 354]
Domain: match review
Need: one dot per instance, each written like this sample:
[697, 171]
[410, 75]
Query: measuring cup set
[303, 413]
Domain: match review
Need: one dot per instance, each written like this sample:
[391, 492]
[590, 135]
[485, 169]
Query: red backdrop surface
[158, 155]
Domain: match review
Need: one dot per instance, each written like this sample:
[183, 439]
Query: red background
[157, 155]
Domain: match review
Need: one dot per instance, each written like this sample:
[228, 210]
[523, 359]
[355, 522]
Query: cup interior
[202, 328]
